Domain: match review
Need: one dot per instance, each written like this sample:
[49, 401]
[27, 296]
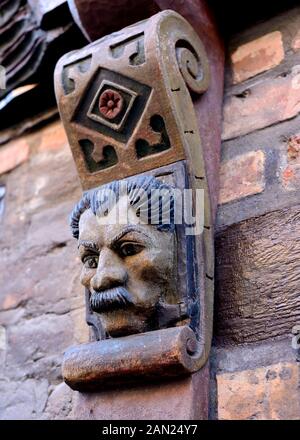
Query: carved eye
[128, 249]
[91, 261]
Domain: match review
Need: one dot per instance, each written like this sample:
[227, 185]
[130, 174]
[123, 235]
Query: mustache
[110, 299]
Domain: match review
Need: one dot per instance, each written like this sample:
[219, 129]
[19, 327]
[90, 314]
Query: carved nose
[110, 271]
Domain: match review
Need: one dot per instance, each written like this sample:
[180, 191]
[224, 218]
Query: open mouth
[110, 299]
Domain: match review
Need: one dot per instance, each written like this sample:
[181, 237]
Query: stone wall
[254, 373]
[41, 302]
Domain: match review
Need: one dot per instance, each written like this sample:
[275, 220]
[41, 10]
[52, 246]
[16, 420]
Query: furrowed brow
[88, 245]
[127, 230]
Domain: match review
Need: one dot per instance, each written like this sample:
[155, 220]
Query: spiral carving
[192, 68]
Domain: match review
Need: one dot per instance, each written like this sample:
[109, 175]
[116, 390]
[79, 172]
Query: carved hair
[139, 191]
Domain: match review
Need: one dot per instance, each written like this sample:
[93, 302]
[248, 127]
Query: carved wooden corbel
[126, 104]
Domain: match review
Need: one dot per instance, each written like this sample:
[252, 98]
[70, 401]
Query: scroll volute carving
[147, 66]
[126, 104]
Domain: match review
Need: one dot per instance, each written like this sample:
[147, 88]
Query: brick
[59, 404]
[46, 181]
[33, 283]
[49, 228]
[52, 179]
[2, 338]
[242, 176]
[257, 56]
[37, 345]
[262, 105]
[290, 174]
[13, 155]
[270, 392]
[43, 247]
[10, 317]
[81, 330]
[296, 42]
[23, 400]
[2, 344]
[52, 138]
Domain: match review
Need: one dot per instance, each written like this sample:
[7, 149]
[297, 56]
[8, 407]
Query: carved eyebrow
[125, 231]
[88, 245]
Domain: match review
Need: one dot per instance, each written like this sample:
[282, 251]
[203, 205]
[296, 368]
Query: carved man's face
[128, 269]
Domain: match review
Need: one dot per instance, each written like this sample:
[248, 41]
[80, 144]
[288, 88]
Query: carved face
[128, 268]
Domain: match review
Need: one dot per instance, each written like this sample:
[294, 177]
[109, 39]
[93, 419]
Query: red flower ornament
[110, 103]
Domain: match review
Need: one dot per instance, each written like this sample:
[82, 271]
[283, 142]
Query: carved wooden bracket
[126, 104]
[151, 67]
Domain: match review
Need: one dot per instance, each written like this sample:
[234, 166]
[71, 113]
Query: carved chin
[124, 322]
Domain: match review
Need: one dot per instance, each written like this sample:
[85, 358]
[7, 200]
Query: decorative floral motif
[110, 103]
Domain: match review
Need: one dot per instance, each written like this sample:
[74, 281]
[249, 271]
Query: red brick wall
[254, 370]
